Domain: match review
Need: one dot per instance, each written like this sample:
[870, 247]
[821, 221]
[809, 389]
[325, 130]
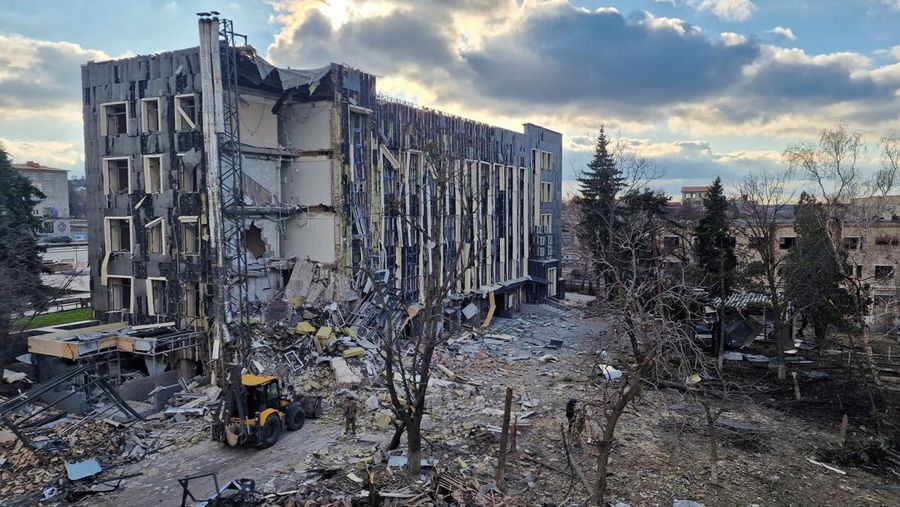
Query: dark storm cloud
[565, 54]
[379, 44]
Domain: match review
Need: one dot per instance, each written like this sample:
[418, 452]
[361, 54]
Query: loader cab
[263, 393]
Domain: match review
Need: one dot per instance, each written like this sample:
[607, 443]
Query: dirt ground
[661, 453]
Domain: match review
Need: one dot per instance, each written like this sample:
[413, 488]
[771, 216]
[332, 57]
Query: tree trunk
[604, 447]
[399, 430]
[414, 436]
[713, 453]
[720, 359]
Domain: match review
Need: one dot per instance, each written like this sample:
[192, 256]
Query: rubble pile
[69, 440]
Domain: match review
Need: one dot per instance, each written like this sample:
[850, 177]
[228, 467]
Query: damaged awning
[142, 340]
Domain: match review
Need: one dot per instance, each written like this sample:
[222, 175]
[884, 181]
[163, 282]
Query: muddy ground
[661, 453]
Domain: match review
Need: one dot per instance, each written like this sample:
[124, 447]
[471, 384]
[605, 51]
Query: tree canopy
[813, 271]
[20, 261]
[714, 245]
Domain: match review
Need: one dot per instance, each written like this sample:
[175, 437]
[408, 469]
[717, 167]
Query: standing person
[350, 415]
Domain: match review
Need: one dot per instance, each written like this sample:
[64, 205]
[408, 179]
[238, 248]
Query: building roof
[34, 166]
[695, 189]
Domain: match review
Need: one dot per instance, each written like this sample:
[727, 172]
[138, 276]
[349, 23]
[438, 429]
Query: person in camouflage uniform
[350, 415]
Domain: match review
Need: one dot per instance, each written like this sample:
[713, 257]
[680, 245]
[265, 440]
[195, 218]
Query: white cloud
[783, 31]
[50, 153]
[726, 10]
[39, 77]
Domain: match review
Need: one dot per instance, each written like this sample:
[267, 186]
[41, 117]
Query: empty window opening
[117, 175]
[786, 242]
[189, 236]
[150, 115]
[187, 176]
[858, 271]
[852, 243]
[156, 236]
[887, 241]
[153, 174]
[547, 164]
[191, 300]
[253, 241]
[158, 300]
[119, 293]
[185, 113]
[118, 234]
[114, 118]
[884, 272]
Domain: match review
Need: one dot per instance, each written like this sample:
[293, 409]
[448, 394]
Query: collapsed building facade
[330, 185]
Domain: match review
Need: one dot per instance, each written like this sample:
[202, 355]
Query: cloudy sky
[704, 87]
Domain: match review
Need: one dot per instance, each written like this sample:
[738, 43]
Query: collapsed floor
[773, 452]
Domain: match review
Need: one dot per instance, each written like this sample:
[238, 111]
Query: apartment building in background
[335, 181]
[53, 209]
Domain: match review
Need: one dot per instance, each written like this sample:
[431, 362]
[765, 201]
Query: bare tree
[852, 199]
[437, 212]
[760, 214]
[646, 298]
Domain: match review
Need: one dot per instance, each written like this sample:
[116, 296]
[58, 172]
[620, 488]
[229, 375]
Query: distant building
[693, 195]
[53, 183]
[54, 207]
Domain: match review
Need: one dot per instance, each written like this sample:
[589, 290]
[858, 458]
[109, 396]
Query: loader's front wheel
[270, 432]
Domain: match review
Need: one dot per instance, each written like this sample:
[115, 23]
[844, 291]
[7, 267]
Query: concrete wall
[311, 236]
[307, 126]
[259, 126]
[308, 180]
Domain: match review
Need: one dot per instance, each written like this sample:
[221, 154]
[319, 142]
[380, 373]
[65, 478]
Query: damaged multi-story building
[326, 177]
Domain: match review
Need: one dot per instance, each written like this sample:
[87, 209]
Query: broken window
[189, 236]
[151, 117]
[156, 236]
[191, 308]
[884, 272]
[119, 293]
[253, 241]
[117, 175]
[887, 241]
[118, 234]
[185, 113]
[852, 243]
[153, 174]
[157, 300]
[113, 118]
[187, 176]
[786, 242]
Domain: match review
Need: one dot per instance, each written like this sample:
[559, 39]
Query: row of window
[114, 115]
[117, 175]
[122, 298]
[119, 235]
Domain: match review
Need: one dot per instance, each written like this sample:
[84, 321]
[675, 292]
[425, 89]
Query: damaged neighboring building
[330, 175]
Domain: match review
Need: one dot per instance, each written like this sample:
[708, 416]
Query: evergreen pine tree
[813, 271]
[598, 187]
[20, 261]
[714, 245]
